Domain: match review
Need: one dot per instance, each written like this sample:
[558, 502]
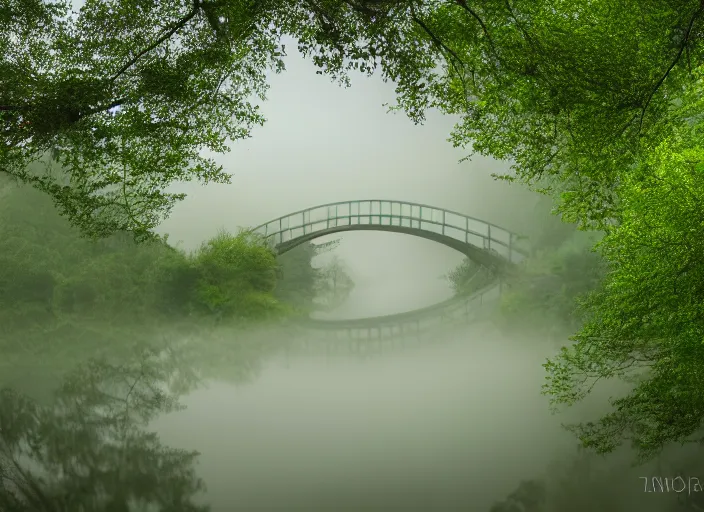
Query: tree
[128, 93]
[572, 94]
[598, 102]
[646, 321]
[236, 276]
[65, 298]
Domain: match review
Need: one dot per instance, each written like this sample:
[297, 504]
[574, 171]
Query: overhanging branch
[685, 42]
[174, 28]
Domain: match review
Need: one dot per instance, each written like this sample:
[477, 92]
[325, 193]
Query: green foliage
[180, 87]
[576, 90]
[236, 276]
[647, 319]
[64, 298]
[128, 94]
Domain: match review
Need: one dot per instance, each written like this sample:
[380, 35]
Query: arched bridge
[482, 242]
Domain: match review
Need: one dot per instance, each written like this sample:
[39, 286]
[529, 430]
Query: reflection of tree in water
[89, 451]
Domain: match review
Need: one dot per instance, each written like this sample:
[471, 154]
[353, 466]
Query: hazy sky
[323, 143]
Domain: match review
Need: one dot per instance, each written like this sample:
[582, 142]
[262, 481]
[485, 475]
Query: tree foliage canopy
[129, 93]
[647, 318]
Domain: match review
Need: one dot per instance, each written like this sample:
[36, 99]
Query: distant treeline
[52, 279]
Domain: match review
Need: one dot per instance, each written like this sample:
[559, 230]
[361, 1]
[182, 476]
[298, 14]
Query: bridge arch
[483, 242]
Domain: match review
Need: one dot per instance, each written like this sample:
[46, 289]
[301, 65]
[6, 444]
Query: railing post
[466, 230]
[489, 234]
[443, 222]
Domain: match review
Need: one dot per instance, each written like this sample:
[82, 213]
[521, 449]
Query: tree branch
[103, 108]
[473, 13]
[174, 28]
[436, 39]
[685, 41]
[443, 47]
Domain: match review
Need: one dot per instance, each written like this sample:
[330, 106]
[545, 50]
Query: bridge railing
[393, 213]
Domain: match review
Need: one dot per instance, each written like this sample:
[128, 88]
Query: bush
[236, 277]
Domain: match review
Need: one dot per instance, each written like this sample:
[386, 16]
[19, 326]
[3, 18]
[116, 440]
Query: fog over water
[452, 426]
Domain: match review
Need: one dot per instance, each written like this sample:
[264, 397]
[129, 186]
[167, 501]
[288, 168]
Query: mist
[450, 426]
[449, 420]
[324, 143]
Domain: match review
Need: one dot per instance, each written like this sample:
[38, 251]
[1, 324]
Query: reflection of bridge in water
[482, 242]
[363, 336]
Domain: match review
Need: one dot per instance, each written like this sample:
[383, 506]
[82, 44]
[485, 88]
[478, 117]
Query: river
[450, 426]
[453, 422]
